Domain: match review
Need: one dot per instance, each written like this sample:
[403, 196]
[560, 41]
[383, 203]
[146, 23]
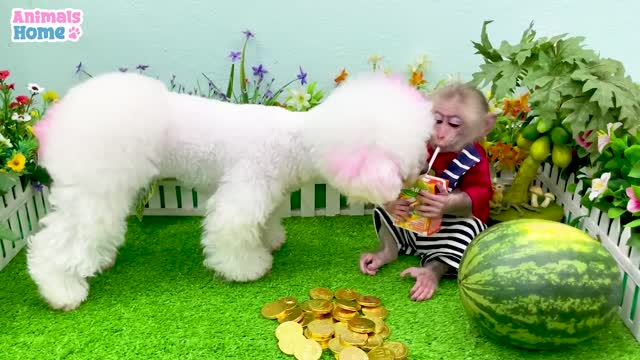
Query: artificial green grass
[159, 302]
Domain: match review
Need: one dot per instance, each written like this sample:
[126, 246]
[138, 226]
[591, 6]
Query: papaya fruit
[530, 132]
[523, 143]
[559, 136]
[561, 156]
[541, 148]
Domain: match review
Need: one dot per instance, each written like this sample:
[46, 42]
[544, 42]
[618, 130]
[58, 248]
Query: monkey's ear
[490, 122]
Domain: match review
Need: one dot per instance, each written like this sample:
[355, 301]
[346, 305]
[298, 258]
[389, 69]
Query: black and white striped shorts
[447, 246]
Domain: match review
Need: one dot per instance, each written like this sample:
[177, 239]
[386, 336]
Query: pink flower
[582, 139]
[634, 202]
[4, 74]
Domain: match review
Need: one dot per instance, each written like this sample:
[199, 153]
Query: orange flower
[416, 78]
[342, 77]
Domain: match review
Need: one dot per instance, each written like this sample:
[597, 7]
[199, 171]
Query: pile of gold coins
[348, 324]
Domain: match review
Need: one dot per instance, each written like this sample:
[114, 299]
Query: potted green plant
[574, 93]
[19, 110]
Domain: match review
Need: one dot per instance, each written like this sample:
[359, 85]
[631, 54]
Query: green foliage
[565, 79]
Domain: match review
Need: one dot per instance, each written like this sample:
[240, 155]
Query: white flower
[20, 117]
[605, 138]
[375, 58]
[598, 186]
[5, 141]
[587, 172]
[35, 88]
[421, 64]
[298, 98]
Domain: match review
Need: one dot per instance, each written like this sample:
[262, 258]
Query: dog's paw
[274, 237]
[242, 266]
[64, 292]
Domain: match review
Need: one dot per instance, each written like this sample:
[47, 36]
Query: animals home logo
[46, 25]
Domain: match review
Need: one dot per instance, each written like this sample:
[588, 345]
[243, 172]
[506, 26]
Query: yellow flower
[34, 113]
[49, 96]
[30, 128]
[17, 162]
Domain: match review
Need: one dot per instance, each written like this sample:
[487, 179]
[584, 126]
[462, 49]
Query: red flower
[4, 74]
[22, 99]
[11, 86]
[13, 104]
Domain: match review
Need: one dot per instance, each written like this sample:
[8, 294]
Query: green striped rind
[538, 284]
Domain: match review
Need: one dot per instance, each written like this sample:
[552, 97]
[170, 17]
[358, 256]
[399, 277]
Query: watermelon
[538, 284]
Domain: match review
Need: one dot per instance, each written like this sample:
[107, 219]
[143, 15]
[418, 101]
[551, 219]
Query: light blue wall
[189, 37]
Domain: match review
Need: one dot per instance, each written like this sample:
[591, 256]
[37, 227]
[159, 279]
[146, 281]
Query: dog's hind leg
[236, 216]
[80, 237]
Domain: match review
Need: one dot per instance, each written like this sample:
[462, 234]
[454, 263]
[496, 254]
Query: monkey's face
[456, 125]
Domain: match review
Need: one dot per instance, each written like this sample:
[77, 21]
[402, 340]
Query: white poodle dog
[110, 136]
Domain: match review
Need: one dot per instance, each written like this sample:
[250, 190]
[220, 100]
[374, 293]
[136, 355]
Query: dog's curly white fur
[111, 135]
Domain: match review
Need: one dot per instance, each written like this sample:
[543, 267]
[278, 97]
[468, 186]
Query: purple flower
[248, 34]
[142, 67]
[259, 71]
[302, 76]
[268, 94]
[79, 67]
[37, 186]
[234, 56]
[123, 69]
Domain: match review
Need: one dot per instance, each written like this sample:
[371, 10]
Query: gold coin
[289, 344]
[293, 314]
[308, 350]
[306, 319]
[361, 325]
[346, 294]
[321, 294]
[369, 301]
[305, 306]
[273, 310]
[339, 329]
[335, 346]
[380, 353]
[378, 321]
[287, 329]
[349, 337]
[352, 353]
[399, 350]
[378, 311]
[350, 305]
[341, 314]
[320, 307]
[288, 302]
[374, 340]
[321, 329]
[385, 332]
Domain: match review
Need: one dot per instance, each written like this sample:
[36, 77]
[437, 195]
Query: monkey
[462, 119]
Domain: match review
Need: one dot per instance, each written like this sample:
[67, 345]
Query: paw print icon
[74, 33]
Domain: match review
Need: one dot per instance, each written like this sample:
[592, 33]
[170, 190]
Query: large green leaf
[603, 94]
[508, 79]
[571, 50]
[7, 181]
[581, 111]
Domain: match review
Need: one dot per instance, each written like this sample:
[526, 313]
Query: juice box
[416, 223]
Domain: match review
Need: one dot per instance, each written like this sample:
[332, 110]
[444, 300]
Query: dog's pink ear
[365, 172]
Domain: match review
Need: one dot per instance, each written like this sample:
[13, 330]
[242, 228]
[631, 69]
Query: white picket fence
[22, 208]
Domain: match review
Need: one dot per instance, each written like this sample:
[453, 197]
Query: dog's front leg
[236, 216]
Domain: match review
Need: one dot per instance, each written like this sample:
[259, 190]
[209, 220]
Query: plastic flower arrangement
[253, 87]
[18, 145]
[414, 74]
[612, 182]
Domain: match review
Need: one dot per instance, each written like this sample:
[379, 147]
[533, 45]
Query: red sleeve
[477, 184]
